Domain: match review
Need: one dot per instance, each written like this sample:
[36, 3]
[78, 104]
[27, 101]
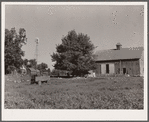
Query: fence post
[39, 82]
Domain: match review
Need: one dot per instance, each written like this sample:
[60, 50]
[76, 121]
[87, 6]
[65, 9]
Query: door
[107, 68]
[111, 68]
[124, 70]
[103, 69]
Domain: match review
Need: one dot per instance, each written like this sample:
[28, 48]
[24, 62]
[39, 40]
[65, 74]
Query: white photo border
[72, 114]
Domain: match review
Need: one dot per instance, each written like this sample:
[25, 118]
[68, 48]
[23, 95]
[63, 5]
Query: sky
[106, 25]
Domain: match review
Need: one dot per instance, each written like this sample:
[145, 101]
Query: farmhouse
[120, 61]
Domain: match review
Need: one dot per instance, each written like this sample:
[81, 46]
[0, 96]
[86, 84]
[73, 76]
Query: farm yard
[101, 67]
[75, 93]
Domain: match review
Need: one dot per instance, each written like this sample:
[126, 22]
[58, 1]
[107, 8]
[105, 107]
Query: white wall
[111, 68]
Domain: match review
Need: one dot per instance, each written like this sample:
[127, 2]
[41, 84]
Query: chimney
[118, 46]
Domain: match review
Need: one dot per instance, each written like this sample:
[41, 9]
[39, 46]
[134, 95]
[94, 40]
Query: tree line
[74, 54]
[14, 53]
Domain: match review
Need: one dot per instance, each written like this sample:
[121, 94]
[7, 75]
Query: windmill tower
[36, 52]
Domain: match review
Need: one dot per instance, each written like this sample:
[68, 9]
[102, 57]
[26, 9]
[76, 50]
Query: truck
[37, 77]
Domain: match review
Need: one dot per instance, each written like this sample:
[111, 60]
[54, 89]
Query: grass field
[91, 93]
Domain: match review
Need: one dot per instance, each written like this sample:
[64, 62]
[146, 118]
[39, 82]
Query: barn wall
[98, 70]
[142, 64]
[131, 67]
[101, 68]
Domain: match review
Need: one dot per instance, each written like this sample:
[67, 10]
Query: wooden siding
[111, 68]
[101, 68]
[142, 64]
[98, 69]
[131, 67]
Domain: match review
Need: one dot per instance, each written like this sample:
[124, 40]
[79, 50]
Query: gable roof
[123, 53]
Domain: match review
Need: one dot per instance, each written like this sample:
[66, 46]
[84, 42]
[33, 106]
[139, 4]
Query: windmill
[36, 76]
[36, 51]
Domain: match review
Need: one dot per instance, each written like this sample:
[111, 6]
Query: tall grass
[91, 93]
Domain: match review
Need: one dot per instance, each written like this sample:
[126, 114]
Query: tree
[55, 72]
[33, 63]
[49, 71]
[13, 51]
[74, 54]
[25, 62]
[42, 66]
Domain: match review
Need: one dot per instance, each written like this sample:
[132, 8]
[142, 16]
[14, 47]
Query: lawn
[72, 93]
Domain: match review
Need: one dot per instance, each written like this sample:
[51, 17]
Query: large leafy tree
[74, 54]
[13, 52]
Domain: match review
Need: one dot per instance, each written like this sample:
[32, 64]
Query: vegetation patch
[89, 93]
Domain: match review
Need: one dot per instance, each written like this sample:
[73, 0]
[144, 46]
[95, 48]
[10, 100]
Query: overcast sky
[106, 26]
